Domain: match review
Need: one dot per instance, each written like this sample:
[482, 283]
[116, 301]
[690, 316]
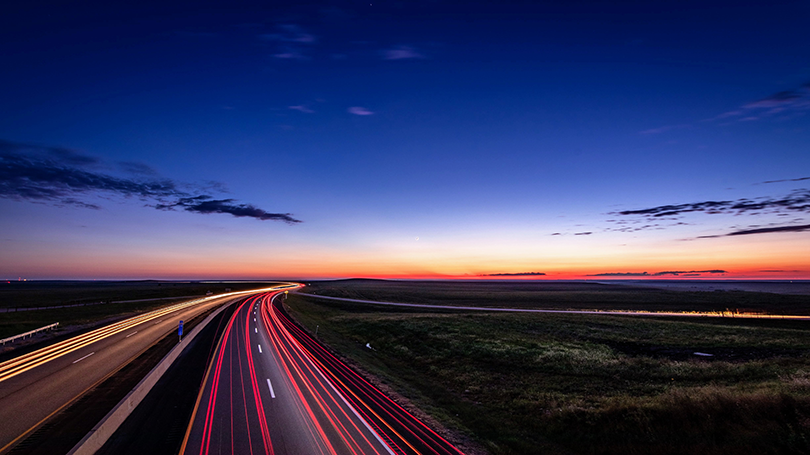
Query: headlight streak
[26, 362]
[365, 397]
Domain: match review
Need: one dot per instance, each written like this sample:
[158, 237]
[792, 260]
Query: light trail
[26, 362]
[300, 412]
[405, 433]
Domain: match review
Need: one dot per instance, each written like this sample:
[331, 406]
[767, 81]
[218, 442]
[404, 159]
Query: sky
[405, 139]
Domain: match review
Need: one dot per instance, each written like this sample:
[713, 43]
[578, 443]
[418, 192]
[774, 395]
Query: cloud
[787, 180]
[665, 273]
[290, 39]
[290, 33]
[797, 201]
[401, 53]
[132, 167]
[206, 205]
[515, 274]
[289, 53]
[65, 178]
[303, 109]
[663, 129]
[357, 110]
[768, 230]
[583, 233]
[786, 101]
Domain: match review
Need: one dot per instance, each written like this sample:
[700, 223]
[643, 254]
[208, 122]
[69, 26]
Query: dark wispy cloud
[206, 204]
[583, 233]
[665, 273]
[63, 177]
[795, 202]
[766, 230]
[800, 179]
[515, 274]
[401, 53]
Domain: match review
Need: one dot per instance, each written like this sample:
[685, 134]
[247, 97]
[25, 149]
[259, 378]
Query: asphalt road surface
[272, 389]
[264, 395]
[39, 384]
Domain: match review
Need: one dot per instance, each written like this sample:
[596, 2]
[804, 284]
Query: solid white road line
[133, 333]
[88, 355]
[270, 386]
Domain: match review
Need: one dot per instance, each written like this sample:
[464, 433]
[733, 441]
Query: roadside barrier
[29, 333]
[99, 435]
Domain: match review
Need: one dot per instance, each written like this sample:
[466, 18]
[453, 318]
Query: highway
[266, 392]
[39, 384]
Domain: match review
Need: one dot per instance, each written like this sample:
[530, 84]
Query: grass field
[558, 384]
[30, 294]
[560, 295]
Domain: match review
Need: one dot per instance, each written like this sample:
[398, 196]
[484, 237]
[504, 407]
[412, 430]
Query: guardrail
[29, 333]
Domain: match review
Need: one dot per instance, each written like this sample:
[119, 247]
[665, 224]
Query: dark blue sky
[482, 129]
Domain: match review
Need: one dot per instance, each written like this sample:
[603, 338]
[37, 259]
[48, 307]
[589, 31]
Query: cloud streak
[796, 201]
[301, 108]
[206, 205]
[768, 230]
[63, 177]
[401, 53]
[787, 102]
[665, 273]
[357, 110]
[290, 40]
[515, 274]
[800, 179]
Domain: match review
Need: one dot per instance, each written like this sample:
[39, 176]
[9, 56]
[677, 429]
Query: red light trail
[313, 402]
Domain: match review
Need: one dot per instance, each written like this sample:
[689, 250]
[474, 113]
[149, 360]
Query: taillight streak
[256, 392]
[394, 412]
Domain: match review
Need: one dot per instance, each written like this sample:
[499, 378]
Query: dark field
[591, 384]
[29, 294]
[561, 295]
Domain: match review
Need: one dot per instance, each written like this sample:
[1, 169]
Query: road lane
[274, 400]
[403, 432]
[36, 385]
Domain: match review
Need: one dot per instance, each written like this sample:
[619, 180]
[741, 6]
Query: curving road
[268, 392]
[262, 395]
[39, 384]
